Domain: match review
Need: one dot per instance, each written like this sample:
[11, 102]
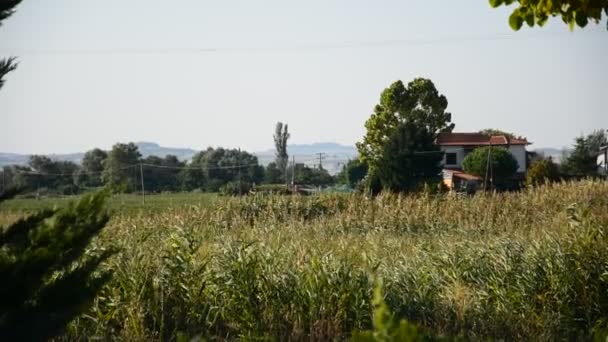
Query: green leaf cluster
[582, 162]
[48, 270]
[501, 167]
[537, 12]
[353, 173]
[419, 103]
[409, 160]
[399, 143]
[542, 171]
[387, 328]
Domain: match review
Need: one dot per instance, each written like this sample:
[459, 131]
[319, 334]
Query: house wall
[601, 163]
[459, 155]
[519, 152]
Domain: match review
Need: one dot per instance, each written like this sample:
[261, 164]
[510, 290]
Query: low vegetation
[532, 264]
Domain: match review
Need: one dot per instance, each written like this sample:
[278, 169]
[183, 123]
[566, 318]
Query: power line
[227, 167]
[285, 47]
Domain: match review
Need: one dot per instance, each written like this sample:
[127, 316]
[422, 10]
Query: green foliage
[42, 175]
[281, 136]
[353, 173]
[501, 168]
[17, 177]
[494, 132]
[53, 174]
[572, 12]
[406, 122]
[409, 160]
[542, 171]
[386, 327]
[596, 140]
[235, 188]
[162, 174]
[582, 161]
[272, 174]
[305, 175]
[89, 174]
[212, 168]
[49, 270]
[119, 170]
[419, 103]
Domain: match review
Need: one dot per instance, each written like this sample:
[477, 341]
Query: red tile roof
[476, 139]
[462, 175]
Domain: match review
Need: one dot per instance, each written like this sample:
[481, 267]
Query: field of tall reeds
[527, 265]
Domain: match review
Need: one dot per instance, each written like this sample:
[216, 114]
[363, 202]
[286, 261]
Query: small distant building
[456, 146]
[602, 160]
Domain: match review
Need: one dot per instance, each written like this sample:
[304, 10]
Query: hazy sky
[195, 73]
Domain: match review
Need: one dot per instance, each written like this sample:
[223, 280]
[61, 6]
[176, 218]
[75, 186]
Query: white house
[602, 160]
[457, 145]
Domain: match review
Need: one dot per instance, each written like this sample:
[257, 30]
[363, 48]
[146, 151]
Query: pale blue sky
[194, 73]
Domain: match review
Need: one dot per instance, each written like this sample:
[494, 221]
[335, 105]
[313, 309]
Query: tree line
[125, 170]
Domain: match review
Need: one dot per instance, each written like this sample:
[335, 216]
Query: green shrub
[541, 172]
[235, 189]
[500, 170]
[49, 268]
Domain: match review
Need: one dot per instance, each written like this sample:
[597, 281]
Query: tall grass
[529, 265]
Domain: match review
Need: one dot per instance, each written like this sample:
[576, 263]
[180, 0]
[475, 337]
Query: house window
[450, 159]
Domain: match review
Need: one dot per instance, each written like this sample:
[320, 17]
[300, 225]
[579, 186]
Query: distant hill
[153, 149]
[145, 148]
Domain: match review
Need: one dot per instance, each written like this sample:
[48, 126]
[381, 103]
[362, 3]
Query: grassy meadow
[527, 265]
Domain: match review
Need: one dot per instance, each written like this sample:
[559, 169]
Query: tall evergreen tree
[582, 162]
[281, 135]
[7, 8]
[46, 279]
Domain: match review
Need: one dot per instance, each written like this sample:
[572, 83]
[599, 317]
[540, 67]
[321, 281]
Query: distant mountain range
[145, 148]
[334, 155]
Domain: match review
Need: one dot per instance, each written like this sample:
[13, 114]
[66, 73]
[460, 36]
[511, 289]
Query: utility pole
[293, 172]
[491, 173]
[485, 179]
[143, 191]
[321, 156]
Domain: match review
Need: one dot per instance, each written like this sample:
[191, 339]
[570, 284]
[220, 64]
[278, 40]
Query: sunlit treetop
[537, 12]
